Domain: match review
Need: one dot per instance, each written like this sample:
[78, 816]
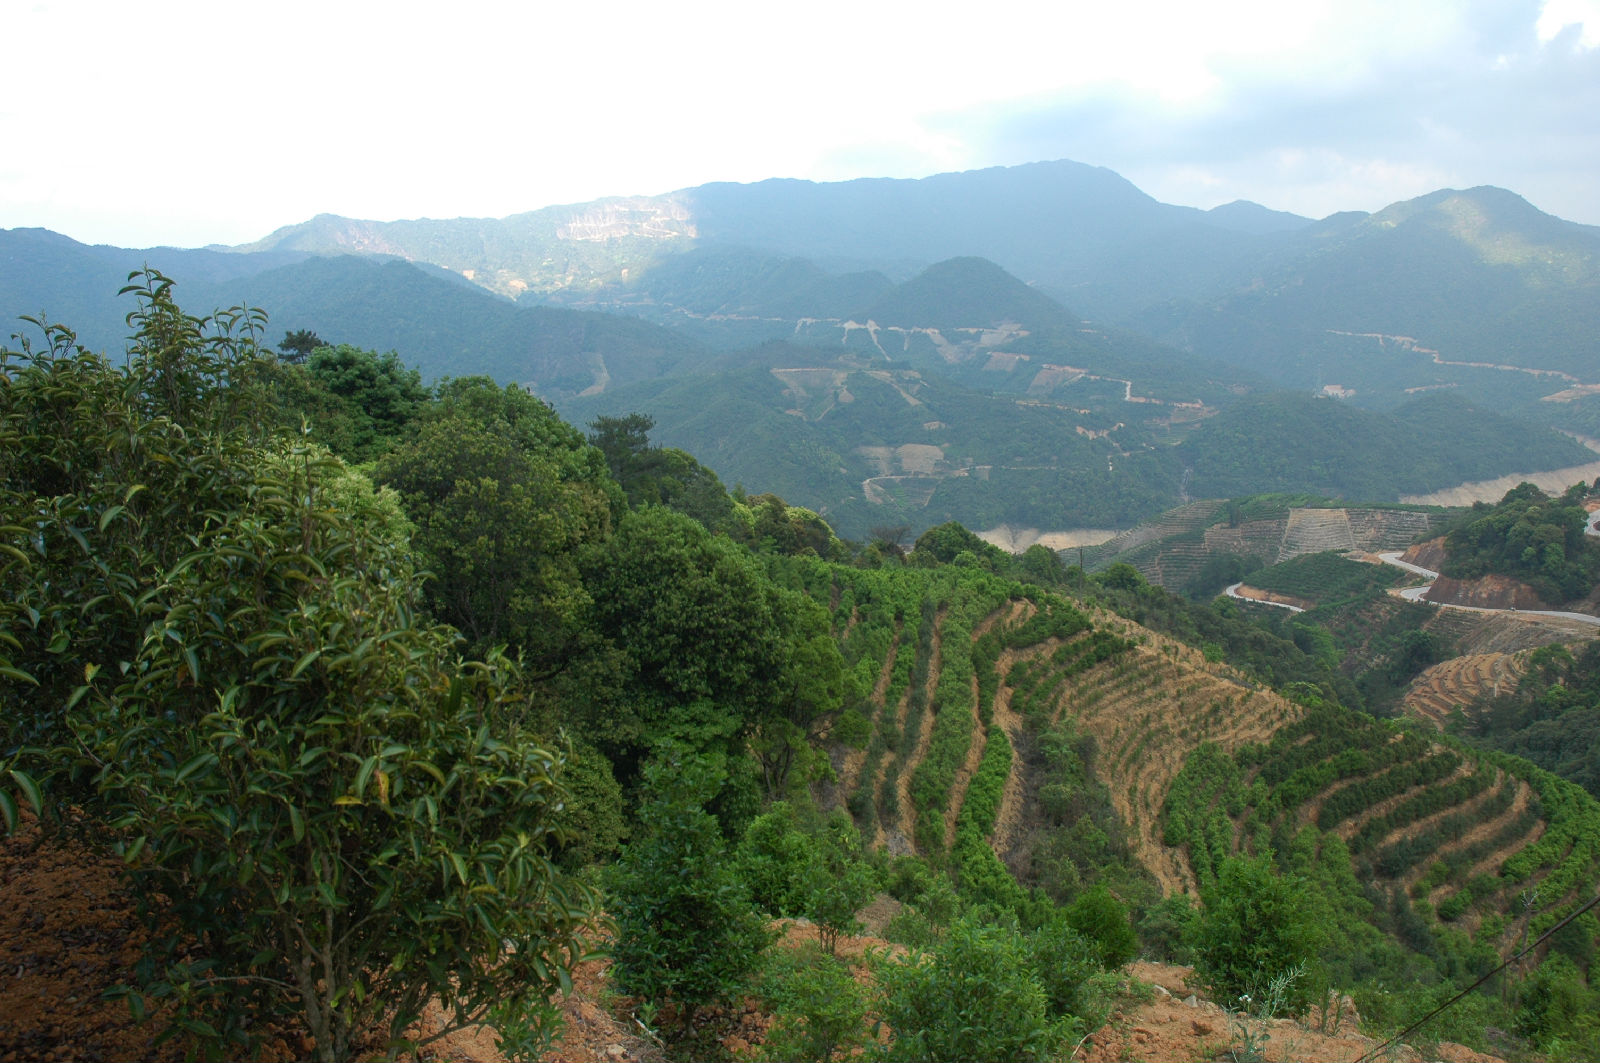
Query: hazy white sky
[198, 122]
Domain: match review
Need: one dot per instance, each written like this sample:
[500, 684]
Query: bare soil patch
[1176, 1020]
[1015, 540]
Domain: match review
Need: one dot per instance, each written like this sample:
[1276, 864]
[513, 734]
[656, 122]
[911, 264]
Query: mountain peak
[1244, 216]
[967, 292]
[1501, 226]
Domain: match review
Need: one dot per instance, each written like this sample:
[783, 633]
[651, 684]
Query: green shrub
[1255, 926]
[686, 930]
[838, 882]
[774, 860]
[974, 997]
[1063, 962]
[1102, 921]
[819, 1009]
[1168, 927]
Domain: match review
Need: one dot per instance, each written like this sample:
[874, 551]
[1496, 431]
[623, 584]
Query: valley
[645, 577]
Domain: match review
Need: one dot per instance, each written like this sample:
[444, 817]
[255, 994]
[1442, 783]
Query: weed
[1250, 1024]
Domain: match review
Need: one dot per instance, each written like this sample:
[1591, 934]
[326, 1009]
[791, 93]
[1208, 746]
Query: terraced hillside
[1147, 706]
[1481, 842]
[1452, 685]
[972, 686]
[976, 672]
[1174, 522]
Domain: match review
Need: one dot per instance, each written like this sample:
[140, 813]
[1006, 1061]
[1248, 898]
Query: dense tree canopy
[504, 496]
[216, 631]
[1529, 536]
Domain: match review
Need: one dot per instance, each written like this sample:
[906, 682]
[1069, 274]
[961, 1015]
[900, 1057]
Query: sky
[190, 123]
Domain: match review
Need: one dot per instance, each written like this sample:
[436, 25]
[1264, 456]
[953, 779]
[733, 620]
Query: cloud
[221, 122]
[1475, 99]
[1560, 16]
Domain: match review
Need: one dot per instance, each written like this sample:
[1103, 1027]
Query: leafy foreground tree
[713, 651]
[344, 819]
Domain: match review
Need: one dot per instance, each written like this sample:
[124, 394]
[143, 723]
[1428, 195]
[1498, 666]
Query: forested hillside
[355, 728]
[1531, 537]
[1459, 288]
[1115, 426]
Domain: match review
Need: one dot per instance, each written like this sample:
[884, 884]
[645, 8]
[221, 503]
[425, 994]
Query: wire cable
[1372, 1054]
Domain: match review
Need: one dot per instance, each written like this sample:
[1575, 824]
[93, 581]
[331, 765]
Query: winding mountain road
[1415, 594]
[1232, 591]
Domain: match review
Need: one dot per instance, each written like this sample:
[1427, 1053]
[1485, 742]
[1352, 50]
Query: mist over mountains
[1054, 299]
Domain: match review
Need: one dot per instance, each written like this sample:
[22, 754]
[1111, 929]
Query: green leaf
[193, 765]
[110, 515]
[29, 788]
[8, 810]
[365, 774]
[297, 823]
[304, 662]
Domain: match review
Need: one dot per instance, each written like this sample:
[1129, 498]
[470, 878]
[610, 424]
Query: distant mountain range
[1121, 321]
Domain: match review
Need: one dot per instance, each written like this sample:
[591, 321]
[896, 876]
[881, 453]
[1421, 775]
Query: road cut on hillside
[1233, 591]
[1418, 594]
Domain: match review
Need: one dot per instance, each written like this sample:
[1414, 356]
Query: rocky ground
[68, 932]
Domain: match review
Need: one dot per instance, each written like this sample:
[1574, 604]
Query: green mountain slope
[438, 322]
[1288, 442]
[966, 293]
[42, 272]
[1469, 289]
[1390, 301]
[447, 328]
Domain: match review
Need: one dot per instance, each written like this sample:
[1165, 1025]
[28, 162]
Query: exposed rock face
[1490, 592]
[1429, 555]
[657, 218]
